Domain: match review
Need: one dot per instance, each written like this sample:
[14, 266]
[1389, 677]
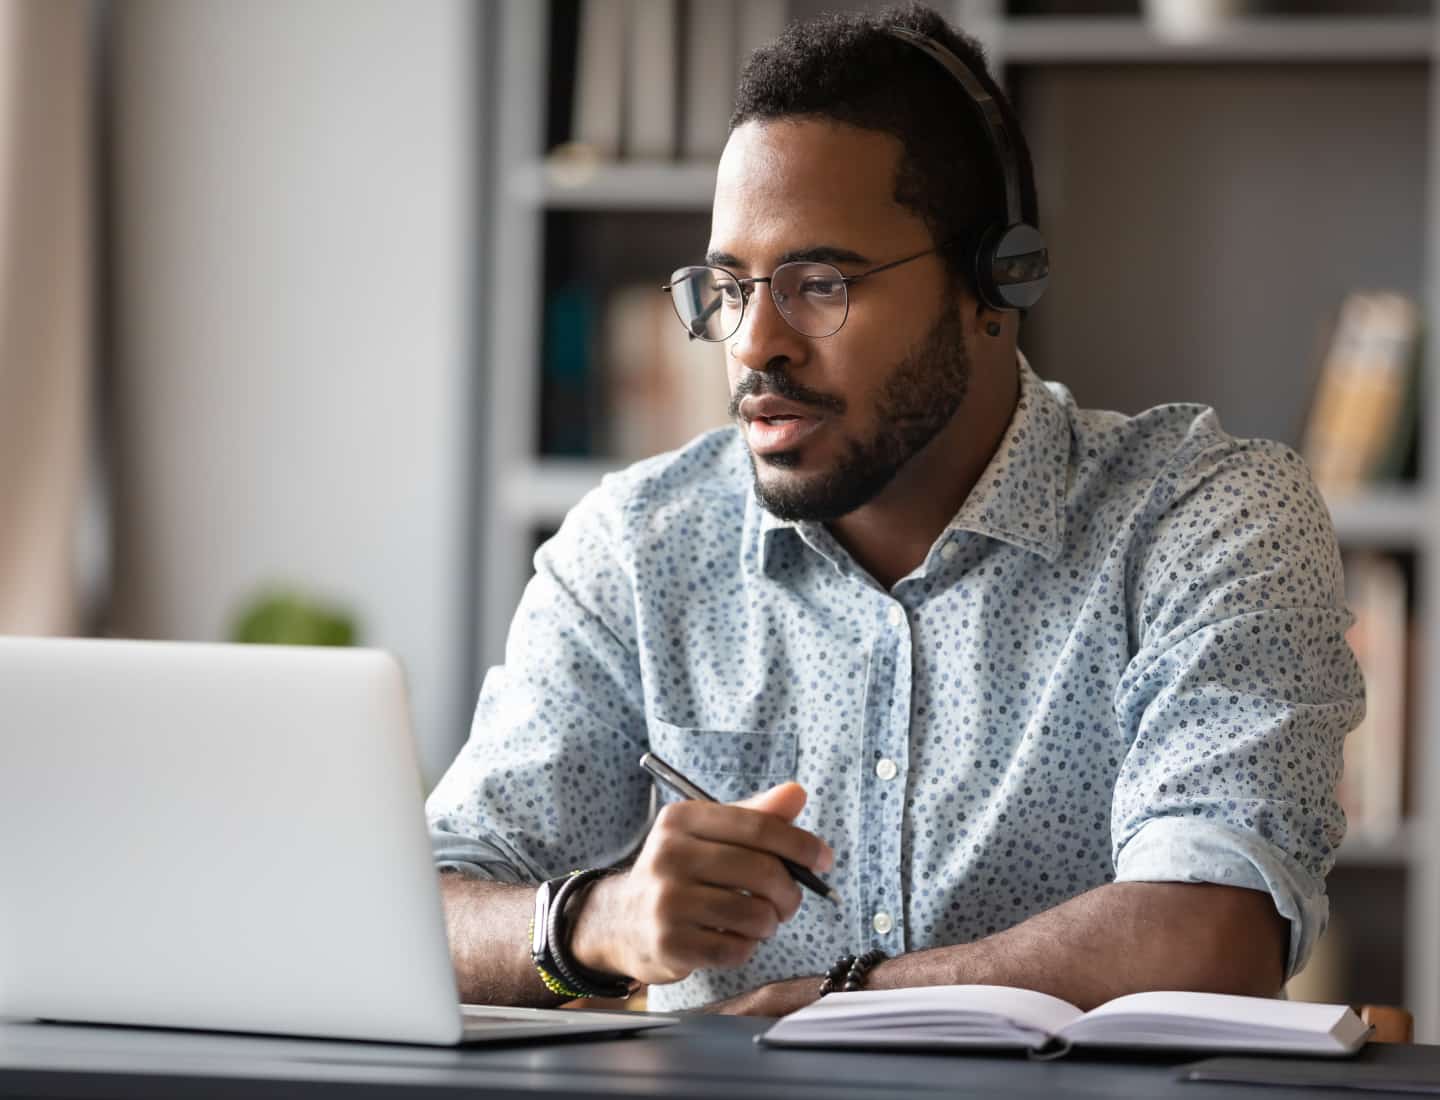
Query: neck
[890, 536]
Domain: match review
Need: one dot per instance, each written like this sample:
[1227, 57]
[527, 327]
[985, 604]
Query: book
[600, 78]
[1364, 397]
[1371, 787]
[661, 389]
[995, 1016]
[709, 61]
[567, 382]
[651, 88]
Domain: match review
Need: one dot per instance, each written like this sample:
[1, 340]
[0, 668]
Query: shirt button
[897, 615]
[882, 923]
[885, 768]
[949, 550]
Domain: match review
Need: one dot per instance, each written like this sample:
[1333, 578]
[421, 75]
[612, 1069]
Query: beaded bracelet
[552, 983]
[850, 971]
[557, 959]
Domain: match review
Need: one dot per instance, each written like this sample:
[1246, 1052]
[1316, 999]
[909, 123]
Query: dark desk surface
[701, 1057]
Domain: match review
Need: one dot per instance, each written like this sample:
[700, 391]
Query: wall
[294, 239]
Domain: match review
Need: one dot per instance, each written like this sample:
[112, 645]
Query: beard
[917, 401]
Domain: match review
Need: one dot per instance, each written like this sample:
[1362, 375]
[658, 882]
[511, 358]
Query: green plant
[279, 617]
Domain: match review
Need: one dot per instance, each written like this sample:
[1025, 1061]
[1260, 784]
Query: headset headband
[990, 116]
[1012, 264]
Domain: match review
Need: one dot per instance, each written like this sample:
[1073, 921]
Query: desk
[701, 1057]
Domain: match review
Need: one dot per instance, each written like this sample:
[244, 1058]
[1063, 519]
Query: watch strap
[550, 941]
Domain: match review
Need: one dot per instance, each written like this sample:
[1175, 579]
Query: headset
[1012, 264]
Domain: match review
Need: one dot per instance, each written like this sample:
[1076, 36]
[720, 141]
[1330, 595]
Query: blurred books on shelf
[568, 386]
[709, 68]
[651, 88]
[661, 390]
[597, 117]
[1361, 427]
[654, 78]
[1371, 789]
[620, 381]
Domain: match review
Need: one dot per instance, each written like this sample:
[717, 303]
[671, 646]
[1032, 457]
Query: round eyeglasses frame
[748, 285]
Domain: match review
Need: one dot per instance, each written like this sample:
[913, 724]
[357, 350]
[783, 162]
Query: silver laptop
[228, 838]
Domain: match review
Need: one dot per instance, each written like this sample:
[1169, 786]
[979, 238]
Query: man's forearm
[1116, 939]
[487, 924]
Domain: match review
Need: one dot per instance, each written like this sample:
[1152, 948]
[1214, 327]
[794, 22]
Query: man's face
[829, 422]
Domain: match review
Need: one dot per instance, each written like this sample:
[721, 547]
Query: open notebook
[999, 1016]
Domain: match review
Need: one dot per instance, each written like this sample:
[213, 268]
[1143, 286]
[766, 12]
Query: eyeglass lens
[710, 302]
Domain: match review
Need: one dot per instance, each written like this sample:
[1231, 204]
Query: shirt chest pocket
[727, 764]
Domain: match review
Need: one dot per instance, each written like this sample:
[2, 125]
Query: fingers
[709, 885]
[718, 910]
[685, 949]
[784, 801]
[691, 926]
[747, 828]
[701, 861]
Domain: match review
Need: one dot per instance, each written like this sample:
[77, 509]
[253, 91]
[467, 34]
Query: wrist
[593, 925]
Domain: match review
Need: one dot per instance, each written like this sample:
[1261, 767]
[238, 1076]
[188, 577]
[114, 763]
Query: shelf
[641, 185]
[1389, 517]
[541, 492]
[1294, 39]
[580, 183]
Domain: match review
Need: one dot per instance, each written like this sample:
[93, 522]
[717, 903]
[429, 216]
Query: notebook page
[965, 1013]
[1200, 1018]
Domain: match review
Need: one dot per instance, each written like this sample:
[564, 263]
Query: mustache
[782, 385]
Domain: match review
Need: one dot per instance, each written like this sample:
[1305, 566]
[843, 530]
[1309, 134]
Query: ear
[989, 321]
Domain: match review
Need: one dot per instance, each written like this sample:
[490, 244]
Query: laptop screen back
[220, 837]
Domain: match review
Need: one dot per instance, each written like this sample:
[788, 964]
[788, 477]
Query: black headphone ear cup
[985, 288]
[1012, 267]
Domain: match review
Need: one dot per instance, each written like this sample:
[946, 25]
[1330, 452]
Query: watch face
[542, 912]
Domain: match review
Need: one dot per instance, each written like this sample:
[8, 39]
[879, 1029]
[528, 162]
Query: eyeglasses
[814, 298]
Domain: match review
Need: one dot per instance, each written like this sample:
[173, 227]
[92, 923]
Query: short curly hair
[846, 67]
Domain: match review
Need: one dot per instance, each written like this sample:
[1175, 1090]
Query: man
[1063, 691]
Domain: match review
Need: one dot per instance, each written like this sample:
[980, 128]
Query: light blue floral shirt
[1123, 660]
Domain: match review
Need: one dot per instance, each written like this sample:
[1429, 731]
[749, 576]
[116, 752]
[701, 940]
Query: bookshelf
[604, 187]
[1109, 40]
[1267, 69]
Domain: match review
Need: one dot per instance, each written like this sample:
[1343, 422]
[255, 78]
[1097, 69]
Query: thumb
[784, 801]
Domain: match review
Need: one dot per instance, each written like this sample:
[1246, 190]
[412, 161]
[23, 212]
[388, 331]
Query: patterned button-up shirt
[1123, 660]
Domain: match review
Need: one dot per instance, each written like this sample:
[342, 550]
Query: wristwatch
[550, 941]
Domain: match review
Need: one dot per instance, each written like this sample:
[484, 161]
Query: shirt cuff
[1175, 849]
[476, 858]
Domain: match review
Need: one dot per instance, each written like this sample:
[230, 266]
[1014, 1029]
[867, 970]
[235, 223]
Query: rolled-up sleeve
[548, 780]
[1241, 690]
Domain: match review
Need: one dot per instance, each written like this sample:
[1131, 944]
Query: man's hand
[707, 888]
[775, 999]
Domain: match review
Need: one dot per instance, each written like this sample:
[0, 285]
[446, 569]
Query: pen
[686, 789]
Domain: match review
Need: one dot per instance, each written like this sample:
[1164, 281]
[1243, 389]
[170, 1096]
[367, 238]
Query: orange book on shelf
[1363, 391]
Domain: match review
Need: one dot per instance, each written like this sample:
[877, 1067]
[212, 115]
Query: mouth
[780, 432]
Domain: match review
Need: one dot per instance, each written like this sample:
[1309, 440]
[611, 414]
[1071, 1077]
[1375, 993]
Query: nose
[765, 340]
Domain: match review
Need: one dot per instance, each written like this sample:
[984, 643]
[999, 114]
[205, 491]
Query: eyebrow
[823, 254]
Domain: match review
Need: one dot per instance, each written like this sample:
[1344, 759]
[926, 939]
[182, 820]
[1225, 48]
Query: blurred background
[317, 315]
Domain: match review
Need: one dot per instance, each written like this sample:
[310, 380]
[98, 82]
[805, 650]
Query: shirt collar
[1019, 497]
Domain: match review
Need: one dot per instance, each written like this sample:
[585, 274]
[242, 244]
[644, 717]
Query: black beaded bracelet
[835, 976]
[576, 978]
[850, 971]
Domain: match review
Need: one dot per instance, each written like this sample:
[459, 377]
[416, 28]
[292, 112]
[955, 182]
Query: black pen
[686, 789]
